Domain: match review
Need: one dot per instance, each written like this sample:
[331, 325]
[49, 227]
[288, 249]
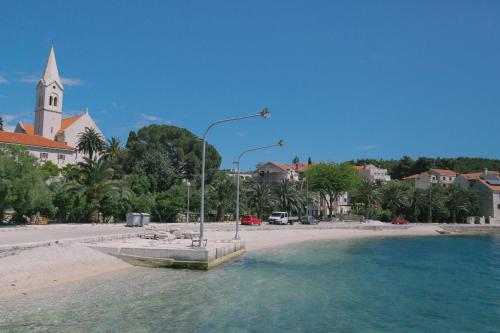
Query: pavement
[33, 234]
[59, 232]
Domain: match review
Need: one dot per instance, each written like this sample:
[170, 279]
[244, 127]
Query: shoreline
[53, 266]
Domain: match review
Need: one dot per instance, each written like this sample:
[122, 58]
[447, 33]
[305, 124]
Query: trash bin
[145, 218]
[134, 220]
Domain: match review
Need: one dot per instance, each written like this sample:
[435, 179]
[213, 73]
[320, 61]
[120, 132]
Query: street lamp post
[187, 209]
[279, 144]
[264, 114]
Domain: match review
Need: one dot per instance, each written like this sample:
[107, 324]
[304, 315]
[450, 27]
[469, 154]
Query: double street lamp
[237, 162]
[264, 114]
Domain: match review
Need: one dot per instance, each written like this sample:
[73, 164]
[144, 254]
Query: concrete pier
[177, 254]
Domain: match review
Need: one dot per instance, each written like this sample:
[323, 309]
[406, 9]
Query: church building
[51, 137]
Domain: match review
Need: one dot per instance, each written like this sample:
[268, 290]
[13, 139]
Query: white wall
[70, 157]
[72, 132]
[48, 117]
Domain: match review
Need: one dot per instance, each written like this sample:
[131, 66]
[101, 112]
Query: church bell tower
[49, 100]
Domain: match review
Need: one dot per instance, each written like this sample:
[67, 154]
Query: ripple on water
[440, 284]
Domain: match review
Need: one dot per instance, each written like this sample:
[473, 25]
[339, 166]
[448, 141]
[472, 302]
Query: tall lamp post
[264, 114]
[187, 208]
[279, 144]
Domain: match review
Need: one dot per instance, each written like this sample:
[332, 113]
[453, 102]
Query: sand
[46, 267]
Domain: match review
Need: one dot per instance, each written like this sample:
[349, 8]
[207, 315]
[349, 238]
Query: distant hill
[406, 166]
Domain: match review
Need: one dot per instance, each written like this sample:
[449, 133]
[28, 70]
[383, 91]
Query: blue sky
[343, 79]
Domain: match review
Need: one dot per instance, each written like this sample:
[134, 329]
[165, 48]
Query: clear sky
[343, 79]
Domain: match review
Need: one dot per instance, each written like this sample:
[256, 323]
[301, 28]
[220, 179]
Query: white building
[487, 184]
[433, 177]
[52, 137]
[371, 173]
[273, 172]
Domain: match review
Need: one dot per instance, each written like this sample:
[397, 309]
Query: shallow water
[433, 284]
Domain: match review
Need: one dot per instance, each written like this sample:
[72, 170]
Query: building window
[55, 101]
[60, 157]
[51, 130]
[50, 100]
[44, 156]
[498, 206]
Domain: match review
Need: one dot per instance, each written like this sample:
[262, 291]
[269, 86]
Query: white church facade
[51, 137]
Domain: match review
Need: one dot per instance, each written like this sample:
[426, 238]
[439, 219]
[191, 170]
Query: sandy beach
[25, 271]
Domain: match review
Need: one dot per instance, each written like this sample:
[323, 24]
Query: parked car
[282, 218]
[250, 219]
[309, 220]
[400, 220]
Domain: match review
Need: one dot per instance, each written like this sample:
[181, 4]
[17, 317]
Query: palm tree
[395, 196]
[417, 203]
[219, 190]
[368, 194]
[288, 197]
[260, 197]
[90, 142]
[94, 183]
[457, 201]
[113, 147]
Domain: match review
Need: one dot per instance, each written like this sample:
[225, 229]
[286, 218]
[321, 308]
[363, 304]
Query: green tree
[402, 168]
[396, 196]
[113, 147]
[460, 202]
[158, 170]
[116, 204]
[368, 194]
[260, 197]
[288, 197]
[295, 160]
[168, 205]
[437, 198]
[90, 142]
[69, 206]
[178, 145]
[49, 169]
[417, 204]
[331, 180]
[95, 184]
[1, 124]
[220, 194]
[21, 184]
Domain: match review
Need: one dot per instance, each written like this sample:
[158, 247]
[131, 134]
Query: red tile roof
[443, 172]
[281, 166]
[32, 140]
[360, 167]
[65, 123]
[490, 186]
[29, 129]
[477, 175]
[412, 176]
[300, 167]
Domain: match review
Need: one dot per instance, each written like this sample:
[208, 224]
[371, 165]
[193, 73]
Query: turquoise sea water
[438, 284]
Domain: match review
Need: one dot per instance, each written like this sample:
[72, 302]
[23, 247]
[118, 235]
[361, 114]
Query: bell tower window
[50, 100]
[55, 101]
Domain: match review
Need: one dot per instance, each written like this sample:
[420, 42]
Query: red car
[250, 219]
[400, 220]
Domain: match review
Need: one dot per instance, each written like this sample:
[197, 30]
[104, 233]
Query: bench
[195, 239]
